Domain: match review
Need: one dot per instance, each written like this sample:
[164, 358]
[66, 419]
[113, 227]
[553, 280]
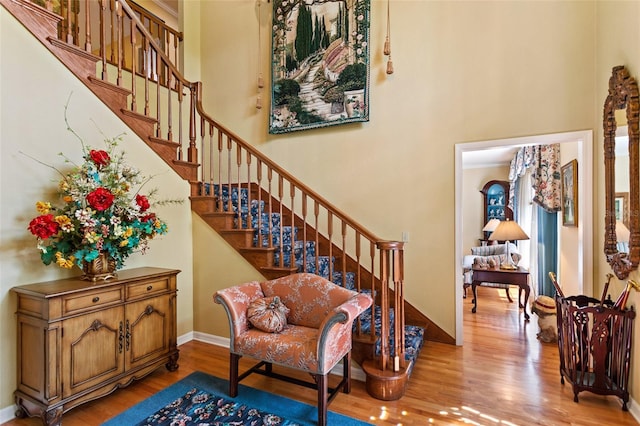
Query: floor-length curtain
[524, 209]
[535, 199]
[547, 186]
[547, 237]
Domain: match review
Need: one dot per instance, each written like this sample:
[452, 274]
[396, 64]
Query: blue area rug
[202, 399]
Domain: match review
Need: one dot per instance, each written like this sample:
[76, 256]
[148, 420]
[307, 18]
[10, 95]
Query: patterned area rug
[201, 399]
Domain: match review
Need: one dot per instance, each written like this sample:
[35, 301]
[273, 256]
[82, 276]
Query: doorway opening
[583, 141]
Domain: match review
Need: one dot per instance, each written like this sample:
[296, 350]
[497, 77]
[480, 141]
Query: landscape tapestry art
[320, 64]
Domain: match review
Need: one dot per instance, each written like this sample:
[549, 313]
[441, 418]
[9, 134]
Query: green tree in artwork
[304, 33]
[353, 77]
[284, 91]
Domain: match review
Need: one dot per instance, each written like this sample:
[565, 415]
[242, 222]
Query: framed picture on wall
[621, 205]
[570, 193]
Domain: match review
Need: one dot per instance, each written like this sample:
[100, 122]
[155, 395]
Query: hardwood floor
[502, 375]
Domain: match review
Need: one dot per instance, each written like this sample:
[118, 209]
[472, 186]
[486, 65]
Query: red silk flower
[44, 226]
[151, 217]
[100, 199]
[100, 158]
[143, 202]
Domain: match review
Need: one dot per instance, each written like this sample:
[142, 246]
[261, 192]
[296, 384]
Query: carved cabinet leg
[20, 413]
[172, 365]
[52, 417]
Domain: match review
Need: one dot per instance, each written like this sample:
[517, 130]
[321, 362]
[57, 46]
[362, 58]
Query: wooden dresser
[78, 341]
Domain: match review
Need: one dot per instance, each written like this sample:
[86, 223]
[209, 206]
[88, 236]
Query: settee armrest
[467, 261]
[236, 301]
[334, 333]
[351, 308]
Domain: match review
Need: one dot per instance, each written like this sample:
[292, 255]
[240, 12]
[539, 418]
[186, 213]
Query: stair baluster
[214, 192]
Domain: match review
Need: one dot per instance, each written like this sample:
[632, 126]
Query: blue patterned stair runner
[414, 335]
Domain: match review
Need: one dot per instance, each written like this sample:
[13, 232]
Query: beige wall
[472, 217]
[618, 43]
[464, 71]
[33, 91]
[569, 265]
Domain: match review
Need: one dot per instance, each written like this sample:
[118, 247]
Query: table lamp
[491, 226]
[506, 231]
[622, 236]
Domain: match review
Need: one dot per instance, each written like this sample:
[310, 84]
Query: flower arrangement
[102, 211]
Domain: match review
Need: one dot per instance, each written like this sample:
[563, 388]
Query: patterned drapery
[545, 159]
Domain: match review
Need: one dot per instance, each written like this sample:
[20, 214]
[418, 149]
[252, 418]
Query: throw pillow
[268, 314]
[489, 262]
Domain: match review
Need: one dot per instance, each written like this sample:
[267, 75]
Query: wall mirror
[623, 256]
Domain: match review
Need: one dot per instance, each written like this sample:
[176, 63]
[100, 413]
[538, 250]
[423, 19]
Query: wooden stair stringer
[43, 24]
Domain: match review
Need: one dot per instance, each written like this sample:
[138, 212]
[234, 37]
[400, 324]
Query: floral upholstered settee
[486, 257]
[316, 337]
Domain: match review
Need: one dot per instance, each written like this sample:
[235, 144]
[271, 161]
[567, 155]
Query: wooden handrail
[275, 221]
[282, 172]
[165, 58]
[227, 166]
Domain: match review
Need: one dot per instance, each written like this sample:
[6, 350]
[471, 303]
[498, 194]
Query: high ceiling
[170, 4]
[492, 157]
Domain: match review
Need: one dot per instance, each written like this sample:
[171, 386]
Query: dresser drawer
[137, 290]
[91, 300]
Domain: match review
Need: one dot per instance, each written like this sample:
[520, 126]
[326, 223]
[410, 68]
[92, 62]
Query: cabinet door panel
[92, 349]
[149, 323]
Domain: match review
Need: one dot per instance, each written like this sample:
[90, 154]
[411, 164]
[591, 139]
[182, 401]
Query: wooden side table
[519, 277]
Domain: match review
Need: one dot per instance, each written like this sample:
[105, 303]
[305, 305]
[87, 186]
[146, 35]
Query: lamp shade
[622, 232]
[491, 225]
[508, 230]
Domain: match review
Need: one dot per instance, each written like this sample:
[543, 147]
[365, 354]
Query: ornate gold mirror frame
[623, 94]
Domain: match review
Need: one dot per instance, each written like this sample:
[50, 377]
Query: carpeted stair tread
[304, 258]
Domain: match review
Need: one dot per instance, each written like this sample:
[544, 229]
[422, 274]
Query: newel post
[192, 150]
[387, 373]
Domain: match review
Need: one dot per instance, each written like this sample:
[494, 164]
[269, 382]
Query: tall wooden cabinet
[78, 341]
[495, 195]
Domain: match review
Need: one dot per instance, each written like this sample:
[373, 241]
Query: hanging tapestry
[320, 64]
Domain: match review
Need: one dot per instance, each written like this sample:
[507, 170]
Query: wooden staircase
[148, 93]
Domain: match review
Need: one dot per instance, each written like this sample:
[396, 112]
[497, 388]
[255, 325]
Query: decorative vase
[101, 268]
[354, 102]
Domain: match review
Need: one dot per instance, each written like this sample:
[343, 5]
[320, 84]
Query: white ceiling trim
[167, 8]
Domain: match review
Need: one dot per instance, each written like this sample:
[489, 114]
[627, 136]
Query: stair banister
[382, 268]
[176, 82]
[196, 93]
[387, 375]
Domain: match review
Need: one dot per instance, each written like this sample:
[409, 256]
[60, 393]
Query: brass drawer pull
[149, 288]
[95, 299]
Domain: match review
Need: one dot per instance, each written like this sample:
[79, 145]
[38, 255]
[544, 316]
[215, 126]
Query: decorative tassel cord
[260, 79]
[387, 43]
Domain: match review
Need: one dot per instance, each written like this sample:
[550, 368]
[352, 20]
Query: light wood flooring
[502, 376]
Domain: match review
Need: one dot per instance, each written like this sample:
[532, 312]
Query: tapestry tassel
[260, 86]
[387, 42]
[260, 79]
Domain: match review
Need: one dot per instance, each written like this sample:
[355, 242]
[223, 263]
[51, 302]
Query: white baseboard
[212, 339]
[187, 337]
[7, 413]
[634, 409]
